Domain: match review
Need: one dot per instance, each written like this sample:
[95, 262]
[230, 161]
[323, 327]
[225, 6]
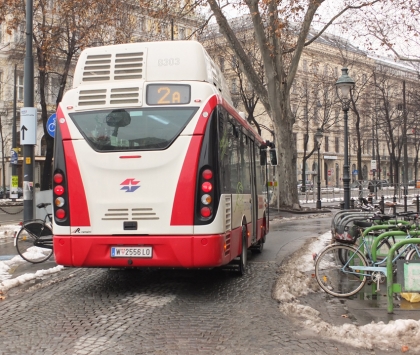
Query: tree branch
[315, 37]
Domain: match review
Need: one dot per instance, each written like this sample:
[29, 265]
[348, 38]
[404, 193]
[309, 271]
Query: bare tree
[5, 139]
[274, 24]
[312, 105]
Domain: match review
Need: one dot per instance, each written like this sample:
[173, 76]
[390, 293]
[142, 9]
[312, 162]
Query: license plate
[131, 252]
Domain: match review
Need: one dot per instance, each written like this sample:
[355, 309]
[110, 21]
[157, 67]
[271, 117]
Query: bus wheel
[243, 259]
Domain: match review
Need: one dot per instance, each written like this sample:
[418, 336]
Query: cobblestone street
[98, 311]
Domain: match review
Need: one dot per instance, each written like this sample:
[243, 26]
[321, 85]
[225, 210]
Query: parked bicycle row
[361, 241]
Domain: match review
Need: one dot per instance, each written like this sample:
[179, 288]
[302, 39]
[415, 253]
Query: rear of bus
[135, 175]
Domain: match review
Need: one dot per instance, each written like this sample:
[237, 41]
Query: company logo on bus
[130, 185]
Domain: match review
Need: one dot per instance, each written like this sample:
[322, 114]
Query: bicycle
[342, 270]
[34, 241]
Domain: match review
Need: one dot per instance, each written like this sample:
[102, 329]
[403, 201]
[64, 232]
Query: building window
[326, 144]
[305, 65]
[336, 113]
[337, 145]
[19, 88]
[18, 35]
[55, 87]
[141, 24]
[222, 64]
[316, 108]
[181, 33]
[234, 86]
[250, 88]
[315, 68]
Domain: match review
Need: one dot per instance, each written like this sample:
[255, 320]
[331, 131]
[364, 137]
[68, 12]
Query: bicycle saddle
[362, 224]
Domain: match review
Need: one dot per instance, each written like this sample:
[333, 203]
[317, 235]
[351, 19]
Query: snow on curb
[7, 282]
[294, 283]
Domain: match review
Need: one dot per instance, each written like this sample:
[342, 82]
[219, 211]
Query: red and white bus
[153, 167]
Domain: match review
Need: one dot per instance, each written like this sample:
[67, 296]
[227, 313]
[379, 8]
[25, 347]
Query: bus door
[254, 194]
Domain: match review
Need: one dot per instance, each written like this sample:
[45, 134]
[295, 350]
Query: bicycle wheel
[413, 254]
[335, 278]
[28, 236]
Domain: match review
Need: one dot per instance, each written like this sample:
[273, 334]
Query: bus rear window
[132, 129]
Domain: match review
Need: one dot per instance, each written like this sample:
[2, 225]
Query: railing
[336, 193]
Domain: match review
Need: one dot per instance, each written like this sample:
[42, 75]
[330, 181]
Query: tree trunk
[288, 196]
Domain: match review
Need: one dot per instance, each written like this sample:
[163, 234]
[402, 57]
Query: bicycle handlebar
[43, 205]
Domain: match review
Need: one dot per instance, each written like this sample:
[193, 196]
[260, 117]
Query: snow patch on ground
[296, 280]
[7, 267]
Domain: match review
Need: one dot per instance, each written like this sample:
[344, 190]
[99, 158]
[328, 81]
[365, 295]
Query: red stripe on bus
[61, 120]
[183, 207]
[79, 212]
[200, 128]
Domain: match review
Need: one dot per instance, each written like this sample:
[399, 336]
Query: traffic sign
[355, 172]
[51, 125]
[28, 118]
[373, 164]
[13, 157]
[329, 172]
[14, 180]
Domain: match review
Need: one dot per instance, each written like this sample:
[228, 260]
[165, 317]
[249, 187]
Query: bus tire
[243, 259]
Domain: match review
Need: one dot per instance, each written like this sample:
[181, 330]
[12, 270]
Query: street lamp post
[343, 86]
[318, 140]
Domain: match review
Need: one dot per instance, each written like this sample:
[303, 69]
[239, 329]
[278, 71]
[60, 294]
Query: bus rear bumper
[167, 251]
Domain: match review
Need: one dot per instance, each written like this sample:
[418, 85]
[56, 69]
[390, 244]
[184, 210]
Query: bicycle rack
[391, 286]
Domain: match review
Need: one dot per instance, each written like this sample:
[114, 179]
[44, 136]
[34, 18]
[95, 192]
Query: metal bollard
[394, 199]
[417, 203]
[382, 204]
[352, 203]
[405, 203]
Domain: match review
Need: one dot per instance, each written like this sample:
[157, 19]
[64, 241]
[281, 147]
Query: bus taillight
[59, 190]
[206, 199]
[207, 174]
[60, 196]
[59, 202]
[206, 212]
[206, 186]
[58, 178]
[60, 213]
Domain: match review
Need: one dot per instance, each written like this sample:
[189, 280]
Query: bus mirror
[118, 118]
[273, 157]
[263, 156]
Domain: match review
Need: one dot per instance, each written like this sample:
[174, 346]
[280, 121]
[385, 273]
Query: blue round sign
[51, 125]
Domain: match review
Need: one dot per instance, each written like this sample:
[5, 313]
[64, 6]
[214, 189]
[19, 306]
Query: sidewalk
[365, 316]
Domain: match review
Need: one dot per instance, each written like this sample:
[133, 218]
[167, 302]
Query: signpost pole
[14, 180]
[28, 102]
